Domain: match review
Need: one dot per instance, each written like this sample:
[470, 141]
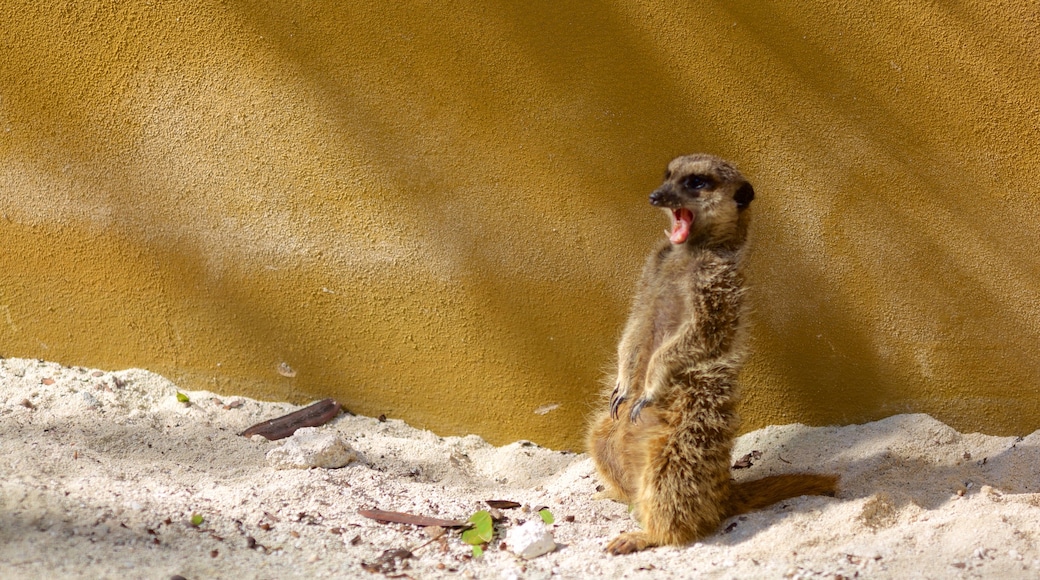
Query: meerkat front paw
[616, 398]
[652, 392]
[629, 542]
[637, 408]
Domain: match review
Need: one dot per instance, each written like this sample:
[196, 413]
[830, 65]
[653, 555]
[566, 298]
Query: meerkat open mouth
[682, 221]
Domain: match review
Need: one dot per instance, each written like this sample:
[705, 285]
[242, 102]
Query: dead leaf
[745, 462]
[281, 427]
[403, 518]
[502, 504]
[271, 516]
[387, 562]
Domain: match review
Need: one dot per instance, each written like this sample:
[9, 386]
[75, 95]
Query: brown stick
[311, 416]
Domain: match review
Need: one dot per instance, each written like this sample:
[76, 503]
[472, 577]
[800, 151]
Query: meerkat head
[706, 198]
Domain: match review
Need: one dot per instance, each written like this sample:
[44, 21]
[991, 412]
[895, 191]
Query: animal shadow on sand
[896, 463]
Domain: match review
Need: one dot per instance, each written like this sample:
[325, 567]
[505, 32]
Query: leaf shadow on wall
[912, 274]
[545, 336]
[572, 101]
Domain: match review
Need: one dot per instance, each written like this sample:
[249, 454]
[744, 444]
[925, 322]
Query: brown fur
[663, 444]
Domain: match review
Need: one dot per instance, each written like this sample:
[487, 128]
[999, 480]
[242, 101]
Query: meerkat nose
[658, 197]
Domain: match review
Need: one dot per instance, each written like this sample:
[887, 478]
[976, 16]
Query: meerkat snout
[674, 193]
[663, 198]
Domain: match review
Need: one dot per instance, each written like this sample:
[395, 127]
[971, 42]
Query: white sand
[101, 473]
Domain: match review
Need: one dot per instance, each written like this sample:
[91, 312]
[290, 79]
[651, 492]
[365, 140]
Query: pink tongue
[681, 225]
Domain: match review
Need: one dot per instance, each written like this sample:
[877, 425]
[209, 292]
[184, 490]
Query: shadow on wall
[516, 306]
[424, 147]
[901, 276]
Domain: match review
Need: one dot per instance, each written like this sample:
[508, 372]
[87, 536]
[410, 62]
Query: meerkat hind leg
[629, 542]
[606, 445]
[684, 489]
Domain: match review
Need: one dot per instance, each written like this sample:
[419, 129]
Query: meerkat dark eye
[696, 182]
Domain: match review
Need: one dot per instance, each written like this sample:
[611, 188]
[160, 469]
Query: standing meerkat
[663, 443]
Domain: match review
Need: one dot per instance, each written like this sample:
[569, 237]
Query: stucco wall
[437, 211]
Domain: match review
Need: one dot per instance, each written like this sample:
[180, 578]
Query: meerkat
[664, 440]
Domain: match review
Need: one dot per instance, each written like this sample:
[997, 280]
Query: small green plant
[196, 520]
[481, 530]
[547, 516]
[181, 397]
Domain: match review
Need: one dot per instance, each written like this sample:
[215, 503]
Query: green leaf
[197, 519]
[547, 516]
[482, 531]
[478, 551]
[181, 397]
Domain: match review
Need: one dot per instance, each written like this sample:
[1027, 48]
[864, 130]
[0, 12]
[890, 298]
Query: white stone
[530, 540]
[89, 400]
[309, 447]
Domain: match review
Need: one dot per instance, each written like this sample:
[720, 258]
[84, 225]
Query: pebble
[310, 447]
[89, 399]
[530, 540]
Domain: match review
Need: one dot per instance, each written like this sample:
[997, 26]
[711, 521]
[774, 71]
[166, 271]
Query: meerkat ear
[744, 195]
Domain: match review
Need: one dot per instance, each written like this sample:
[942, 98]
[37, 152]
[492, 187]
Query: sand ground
[101, 474]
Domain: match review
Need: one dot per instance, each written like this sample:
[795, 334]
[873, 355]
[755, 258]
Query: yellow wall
[437, 211]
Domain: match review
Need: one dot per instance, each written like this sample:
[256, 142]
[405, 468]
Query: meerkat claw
[615, 403]
[637, 408]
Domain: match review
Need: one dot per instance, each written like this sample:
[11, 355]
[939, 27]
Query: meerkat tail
[747, 496]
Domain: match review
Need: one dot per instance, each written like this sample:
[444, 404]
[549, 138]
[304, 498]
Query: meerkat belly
[670, 311]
